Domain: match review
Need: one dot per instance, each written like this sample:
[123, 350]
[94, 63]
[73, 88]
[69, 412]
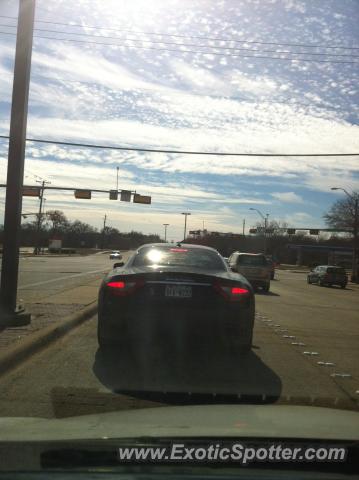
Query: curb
[14, 355]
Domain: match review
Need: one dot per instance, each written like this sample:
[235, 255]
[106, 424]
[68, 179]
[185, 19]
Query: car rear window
[336, 270]
[179, 256]
[252, 260]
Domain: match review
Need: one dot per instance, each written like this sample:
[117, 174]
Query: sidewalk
[51, 309]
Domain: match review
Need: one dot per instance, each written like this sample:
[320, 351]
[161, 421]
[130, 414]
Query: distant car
[184, 290]
[328, 275]
[254, 267]
[115, 255]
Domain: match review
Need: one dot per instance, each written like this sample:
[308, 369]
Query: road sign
[252, 230]
[55, 243]
[141, 199]
[113, 195]
[291, 231]
[31, 191]
[314, 231]
[84, 194]
[125, 196]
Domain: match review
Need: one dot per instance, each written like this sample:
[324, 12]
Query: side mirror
[118, 264]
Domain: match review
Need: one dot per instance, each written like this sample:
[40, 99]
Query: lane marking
[29, 285]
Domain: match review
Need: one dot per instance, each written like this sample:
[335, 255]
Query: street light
[165, 225]
[185, 223]
[265, 218]
[355, 199]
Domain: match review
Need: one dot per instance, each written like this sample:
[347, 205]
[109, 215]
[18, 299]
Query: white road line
[60, 278]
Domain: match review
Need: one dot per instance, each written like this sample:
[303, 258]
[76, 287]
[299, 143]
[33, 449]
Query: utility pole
[103, 231]
[117, 168]
[15, 169]
[244, 226]
[185, 224]
[165, 225]
[265, 218]
[39, 219]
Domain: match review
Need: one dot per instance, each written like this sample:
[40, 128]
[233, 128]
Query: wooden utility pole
[16, 158]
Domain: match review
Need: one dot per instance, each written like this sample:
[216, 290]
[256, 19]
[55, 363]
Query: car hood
[252, 421]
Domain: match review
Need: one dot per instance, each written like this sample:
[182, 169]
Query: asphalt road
[72, 377]
[46, 275]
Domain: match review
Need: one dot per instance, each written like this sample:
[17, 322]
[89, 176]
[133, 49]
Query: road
[72, 377]
[46, 275]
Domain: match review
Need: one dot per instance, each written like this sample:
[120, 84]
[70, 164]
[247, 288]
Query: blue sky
[172, 76]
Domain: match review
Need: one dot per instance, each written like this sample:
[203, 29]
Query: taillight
[231, 293]
[121, 288]
[239, 291]
[116, 284]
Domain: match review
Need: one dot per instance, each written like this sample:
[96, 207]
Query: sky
[181, 74]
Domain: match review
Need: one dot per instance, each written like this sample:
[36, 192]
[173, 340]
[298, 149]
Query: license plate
[178, 291]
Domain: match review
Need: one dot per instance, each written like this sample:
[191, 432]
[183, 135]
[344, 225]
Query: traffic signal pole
[15, 170]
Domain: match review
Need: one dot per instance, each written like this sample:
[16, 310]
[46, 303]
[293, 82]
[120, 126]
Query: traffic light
[113, 194]
[125, 195]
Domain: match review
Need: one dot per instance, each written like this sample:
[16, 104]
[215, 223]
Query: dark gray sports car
[168, 292]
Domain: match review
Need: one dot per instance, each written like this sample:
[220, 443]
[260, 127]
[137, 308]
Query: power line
[261, 57]
[280, 52]
[141, 32]
[186, 152]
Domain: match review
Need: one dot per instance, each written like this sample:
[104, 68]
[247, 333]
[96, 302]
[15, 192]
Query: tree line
[76, 234]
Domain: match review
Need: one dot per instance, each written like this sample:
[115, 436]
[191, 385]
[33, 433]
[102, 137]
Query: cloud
[140, 97]
[289, 197]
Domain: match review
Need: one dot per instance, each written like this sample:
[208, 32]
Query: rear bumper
[156, 325]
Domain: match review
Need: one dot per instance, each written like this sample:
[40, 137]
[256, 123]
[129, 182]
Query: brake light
[178, 250]
[231, 293]
[239, 291]
[116, 284]
[122, 288]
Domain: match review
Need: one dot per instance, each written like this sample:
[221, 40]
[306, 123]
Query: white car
[115, 255]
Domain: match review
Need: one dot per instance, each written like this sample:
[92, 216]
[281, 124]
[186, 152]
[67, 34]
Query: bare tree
[343, 214]
[58, 220]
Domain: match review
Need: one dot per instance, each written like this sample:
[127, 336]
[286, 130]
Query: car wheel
[309, 280]
[272, 276]
[343, 285]
[321, 283]
[266, 288]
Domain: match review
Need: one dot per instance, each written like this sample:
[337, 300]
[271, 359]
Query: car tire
[343, 285]
[309, 281]
[266, 288]
[321, 283]
[272, 276]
